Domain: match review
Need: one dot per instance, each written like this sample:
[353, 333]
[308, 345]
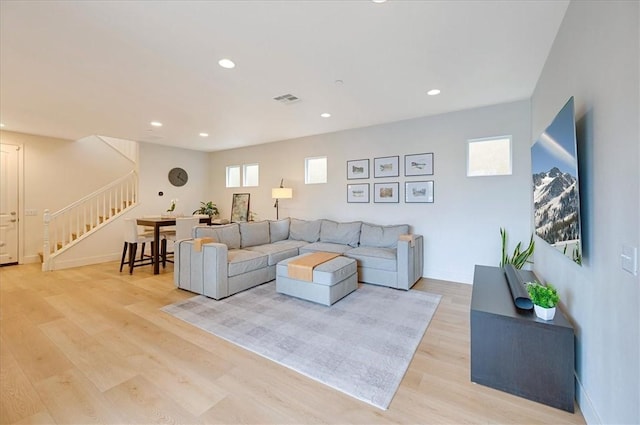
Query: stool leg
[142, 252]
[124, 253]
[132, 256]
[164, 253]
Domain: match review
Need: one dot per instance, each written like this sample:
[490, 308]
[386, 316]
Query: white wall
[58, 172]
[461, 228]
[155, 163]
[595, 58]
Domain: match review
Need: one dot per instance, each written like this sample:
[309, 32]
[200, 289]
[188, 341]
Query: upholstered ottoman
[332, 280]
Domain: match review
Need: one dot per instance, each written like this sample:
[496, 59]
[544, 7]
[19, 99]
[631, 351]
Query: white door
[9, 204]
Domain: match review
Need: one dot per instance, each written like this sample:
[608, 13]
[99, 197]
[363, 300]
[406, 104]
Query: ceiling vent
[286, 99]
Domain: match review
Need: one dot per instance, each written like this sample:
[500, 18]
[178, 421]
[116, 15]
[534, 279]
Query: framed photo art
[358, 169]
[358, 193]
[386, 192]
[419, 164]
[240, 207]
[389, 166]
[418, 192]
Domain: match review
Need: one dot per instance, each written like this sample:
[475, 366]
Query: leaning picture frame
[386, 193]
[418, 192]
[388, 166]
[358, 169]
[358, 193]
[419, 164]
[240, 207]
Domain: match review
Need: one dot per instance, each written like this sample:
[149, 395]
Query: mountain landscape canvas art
[556, 200]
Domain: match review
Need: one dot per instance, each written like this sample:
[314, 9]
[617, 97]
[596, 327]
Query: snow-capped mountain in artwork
[555, 203]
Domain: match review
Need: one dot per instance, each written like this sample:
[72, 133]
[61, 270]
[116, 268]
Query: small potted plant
[544, 298]
[207, 208]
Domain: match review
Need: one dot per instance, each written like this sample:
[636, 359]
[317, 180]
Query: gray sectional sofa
[244, 255]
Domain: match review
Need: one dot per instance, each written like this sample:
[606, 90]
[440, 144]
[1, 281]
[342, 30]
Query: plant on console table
[207, 208]
[544, 298]
[519, 257]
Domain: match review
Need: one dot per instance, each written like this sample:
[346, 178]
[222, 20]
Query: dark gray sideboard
[514, 351]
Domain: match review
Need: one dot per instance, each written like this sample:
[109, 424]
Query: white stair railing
[64, 228]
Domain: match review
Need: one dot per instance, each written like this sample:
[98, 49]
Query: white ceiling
[70, 69]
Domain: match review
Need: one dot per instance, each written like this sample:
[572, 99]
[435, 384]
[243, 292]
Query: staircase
[66, 227]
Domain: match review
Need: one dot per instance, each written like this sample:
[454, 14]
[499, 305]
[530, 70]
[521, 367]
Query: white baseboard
[78, 262]
[449, 275]
[30, 259]
[589, 412]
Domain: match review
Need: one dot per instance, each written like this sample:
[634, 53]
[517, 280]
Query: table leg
[156, 239]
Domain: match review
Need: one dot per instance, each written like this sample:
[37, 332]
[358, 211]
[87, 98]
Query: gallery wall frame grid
[418, 164]
[358, 193]
[419, 192]
[357, 169]
[386, 193]
[387, 166]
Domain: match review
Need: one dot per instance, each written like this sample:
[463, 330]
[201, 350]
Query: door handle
[12, 213]
[13, 220]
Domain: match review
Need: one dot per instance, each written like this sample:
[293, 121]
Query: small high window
[250, 174]
[315, 170]
[489, 156]
[233, 176]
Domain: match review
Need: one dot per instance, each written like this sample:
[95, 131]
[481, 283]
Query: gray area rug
[362, 345]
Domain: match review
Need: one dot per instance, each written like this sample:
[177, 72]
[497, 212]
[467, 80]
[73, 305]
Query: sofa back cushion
[279, 230]
[254, 233]
[229, 234]
[303, 230]
[382, 236]
[342, 233]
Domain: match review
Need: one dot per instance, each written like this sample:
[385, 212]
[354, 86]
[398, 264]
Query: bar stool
[131, 240]
[184, 227]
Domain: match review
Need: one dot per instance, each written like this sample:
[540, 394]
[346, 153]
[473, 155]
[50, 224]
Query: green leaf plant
[207, 208]
[544, 296]
[519, 257]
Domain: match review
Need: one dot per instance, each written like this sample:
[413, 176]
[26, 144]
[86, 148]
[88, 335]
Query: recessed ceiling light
[156, 123]
[433, 92]
[204, 134]
[226, 63]
[378, 1]
[325, 115]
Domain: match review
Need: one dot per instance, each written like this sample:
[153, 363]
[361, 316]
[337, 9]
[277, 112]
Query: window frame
[227, 170]
[307, 180]
[487, 170]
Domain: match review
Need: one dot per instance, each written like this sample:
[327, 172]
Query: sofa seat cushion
[291, 243]
[340, 233]
[254, 233]
[382, 236]
[325, 247]
[228, 234]
[244, 261]
[275, 252]
[279, 230]
[375, 258]
[303, 230]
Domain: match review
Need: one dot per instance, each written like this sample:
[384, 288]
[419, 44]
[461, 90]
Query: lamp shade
[282, 193]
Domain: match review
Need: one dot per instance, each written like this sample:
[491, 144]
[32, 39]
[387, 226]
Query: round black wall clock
[178, 176]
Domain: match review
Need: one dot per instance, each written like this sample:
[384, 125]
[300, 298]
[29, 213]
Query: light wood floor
[90, 345]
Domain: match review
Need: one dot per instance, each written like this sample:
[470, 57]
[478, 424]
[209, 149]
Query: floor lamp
[280, 193]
